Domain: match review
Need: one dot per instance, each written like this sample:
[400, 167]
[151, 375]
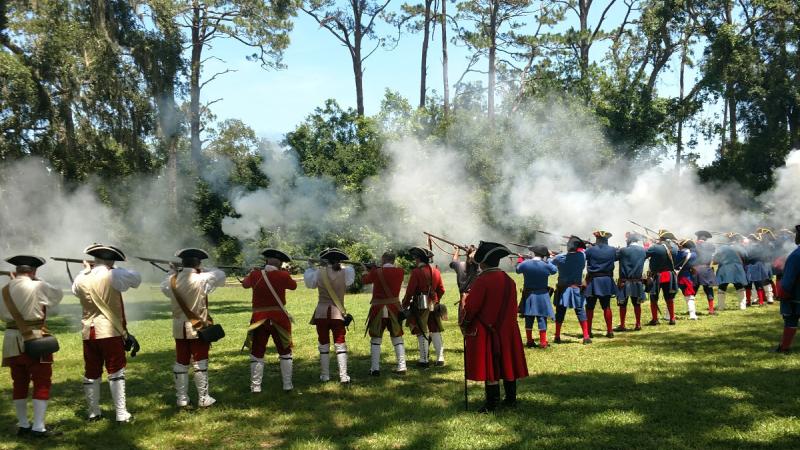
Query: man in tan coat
[28, 298]
[331, 280]
[104, 328]
[191, 284]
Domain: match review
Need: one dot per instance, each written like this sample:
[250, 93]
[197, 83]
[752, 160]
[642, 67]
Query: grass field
[707, 384]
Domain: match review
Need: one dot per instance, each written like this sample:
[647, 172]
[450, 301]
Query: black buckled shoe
[375, 373]
[24, 431]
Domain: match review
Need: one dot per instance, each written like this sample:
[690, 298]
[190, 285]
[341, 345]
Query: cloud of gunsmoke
[40, 216]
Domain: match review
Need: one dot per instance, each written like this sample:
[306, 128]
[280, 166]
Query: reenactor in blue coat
[535, 301]
[600, 259]
[703, 272]
[790, 296]
[768, 240]
[730, 260]
[688, 255]
[662, 255]
[568, 293]
[630, 284]
[758, 269]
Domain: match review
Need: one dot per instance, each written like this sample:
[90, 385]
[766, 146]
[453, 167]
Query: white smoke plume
[39, 216]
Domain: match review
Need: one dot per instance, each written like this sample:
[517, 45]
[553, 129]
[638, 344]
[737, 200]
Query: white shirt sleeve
[310, 278]
[49, 295]
[77, 280]
[166, 289]
[349, 275]
[124, 279]
[213, 278]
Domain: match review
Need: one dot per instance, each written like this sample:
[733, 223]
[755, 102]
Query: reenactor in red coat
[422, 300]
[384, 312]
[493, 342]
[270, 317]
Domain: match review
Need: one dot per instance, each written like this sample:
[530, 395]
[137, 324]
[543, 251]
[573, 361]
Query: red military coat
[418, 283]
[493, 356]
[281, 280]
[394, 281]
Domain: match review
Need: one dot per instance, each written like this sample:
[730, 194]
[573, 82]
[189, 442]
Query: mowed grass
[707, 384]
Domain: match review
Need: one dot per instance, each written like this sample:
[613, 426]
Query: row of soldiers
[685, 265]
[487, 310]
[106, 339]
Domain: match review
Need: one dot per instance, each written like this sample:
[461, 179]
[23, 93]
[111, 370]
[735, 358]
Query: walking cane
[464, 340]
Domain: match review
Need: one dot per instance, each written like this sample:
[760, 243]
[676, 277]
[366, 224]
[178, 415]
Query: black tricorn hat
[687, 243]
[333, 255]
[702, 234]
[574, 243]
[26, 260]
[277, 254]
[107, 252]
[490, 253]
[540, 250]
[198, 253]
[422, 253]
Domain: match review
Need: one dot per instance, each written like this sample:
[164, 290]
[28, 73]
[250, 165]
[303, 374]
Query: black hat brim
[277, 254]
[26, 260]
[333, 255]
[491, 253]
[106, 252]
[198, 253]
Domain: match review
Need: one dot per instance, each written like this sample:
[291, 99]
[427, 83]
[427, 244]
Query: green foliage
[340, 144]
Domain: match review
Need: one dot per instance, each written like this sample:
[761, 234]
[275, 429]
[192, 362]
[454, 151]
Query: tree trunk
[194, 83]
[445, 80]
[492, 56]
[679, 149]
[584, 45]
[724, 133]
[355, 53]
[424, 65]
[729, 85]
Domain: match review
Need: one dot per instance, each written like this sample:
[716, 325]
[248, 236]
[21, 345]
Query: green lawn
[709, 383]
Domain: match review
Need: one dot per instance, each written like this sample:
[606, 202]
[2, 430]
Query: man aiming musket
[423, 296]
[104, 328]
[188, 288]
[270, 317]
[384, 312]
[331, 280]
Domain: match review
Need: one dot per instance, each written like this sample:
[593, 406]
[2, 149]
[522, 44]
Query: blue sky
[318, 68]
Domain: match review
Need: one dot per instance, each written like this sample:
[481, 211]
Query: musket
[155, 263]
[325, 261]
[521, 245]
[66, 264]
[543, 232]
[647, 230]
[462, 247]
[5, 273]
[235, 268]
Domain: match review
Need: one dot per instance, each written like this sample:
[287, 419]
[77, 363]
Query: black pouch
[402, 315]
[43, 346]
[132, 345]
[211, 333]
[348, 319]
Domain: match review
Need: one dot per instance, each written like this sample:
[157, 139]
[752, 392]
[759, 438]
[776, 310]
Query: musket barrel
[462, 247]
[69, 260]
[5, 273]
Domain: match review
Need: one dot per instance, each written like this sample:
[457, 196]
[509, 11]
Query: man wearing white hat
[104, 328]
[188, 288]
[24, 310]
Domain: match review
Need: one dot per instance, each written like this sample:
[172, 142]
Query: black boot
[510, 387]
[492, 398]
